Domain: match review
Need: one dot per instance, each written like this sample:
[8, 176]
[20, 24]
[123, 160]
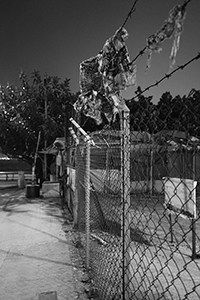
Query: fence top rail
[98, 145]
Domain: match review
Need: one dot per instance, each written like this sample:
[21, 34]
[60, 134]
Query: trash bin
[32, 191]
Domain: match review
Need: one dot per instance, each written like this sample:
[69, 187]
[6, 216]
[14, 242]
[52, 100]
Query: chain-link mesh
[106, 213]
[144, 224]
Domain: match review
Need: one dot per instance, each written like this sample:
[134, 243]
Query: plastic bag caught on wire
[178, 30]
[90, 105]
[90, 82]
[93, 104]
[102, 77]
[115, 65]
[90, 78]
[173, 25]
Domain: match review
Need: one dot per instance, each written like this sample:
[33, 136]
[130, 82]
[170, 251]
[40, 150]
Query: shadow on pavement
[34, 257]
[12, 199]
[41, 231]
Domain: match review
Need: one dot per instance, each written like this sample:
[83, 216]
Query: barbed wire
[167, 76]
[186, 3]
[146, 47]
[133, 8]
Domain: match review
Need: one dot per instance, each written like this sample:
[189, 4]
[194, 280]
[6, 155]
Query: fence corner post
[87, 203]
[125, 201]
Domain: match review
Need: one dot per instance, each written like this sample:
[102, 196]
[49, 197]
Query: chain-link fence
[137, 198]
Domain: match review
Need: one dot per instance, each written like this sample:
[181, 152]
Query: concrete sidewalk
[35, 258]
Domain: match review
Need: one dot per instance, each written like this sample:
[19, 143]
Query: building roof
[58, 144]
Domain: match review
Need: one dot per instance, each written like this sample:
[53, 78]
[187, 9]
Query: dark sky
[54, 36]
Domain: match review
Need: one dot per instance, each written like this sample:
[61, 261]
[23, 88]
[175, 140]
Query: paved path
[34, 250]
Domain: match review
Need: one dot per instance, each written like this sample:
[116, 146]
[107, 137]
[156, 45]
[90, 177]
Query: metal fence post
[125, 201]
[87, 203]
[75, 212]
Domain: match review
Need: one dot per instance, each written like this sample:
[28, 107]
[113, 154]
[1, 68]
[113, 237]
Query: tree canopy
[45, 104]
[23, 113]
[178, 113]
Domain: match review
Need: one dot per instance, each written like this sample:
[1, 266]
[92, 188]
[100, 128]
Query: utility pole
[45, 140]
[66, 131]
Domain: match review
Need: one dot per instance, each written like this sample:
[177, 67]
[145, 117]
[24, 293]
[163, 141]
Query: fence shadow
[136, 235]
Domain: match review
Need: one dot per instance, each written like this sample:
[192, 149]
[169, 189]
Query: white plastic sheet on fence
[181, 194]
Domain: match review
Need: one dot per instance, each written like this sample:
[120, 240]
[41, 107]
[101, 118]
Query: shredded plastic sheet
[173, 25]
[103, 76]
[115, 65]
[90, 105]
[90, 77]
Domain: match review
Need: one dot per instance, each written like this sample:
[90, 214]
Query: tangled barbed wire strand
[167, 76]
[141, 52]
[129, 15]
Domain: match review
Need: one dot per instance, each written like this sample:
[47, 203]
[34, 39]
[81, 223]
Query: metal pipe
[87, 203]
